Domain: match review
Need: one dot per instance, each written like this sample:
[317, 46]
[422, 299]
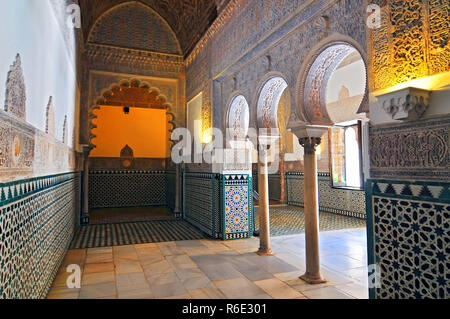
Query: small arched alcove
[134, 114]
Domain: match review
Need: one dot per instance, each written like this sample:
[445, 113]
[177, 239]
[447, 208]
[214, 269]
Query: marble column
[85, 187]
[311, 203]
[177, 209]
[263, 189]
[282, 180]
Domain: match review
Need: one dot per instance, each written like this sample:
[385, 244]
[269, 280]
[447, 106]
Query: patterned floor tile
[288, 220]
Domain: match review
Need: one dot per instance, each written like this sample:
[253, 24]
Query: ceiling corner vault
[188, 19]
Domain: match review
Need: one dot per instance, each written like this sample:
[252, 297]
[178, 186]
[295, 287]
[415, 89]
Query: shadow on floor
[132, 214]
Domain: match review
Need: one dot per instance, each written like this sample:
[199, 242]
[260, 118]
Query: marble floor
[208, 269]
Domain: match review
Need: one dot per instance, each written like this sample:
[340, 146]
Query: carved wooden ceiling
[189, 19]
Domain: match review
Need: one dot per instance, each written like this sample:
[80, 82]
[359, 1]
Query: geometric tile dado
[409, 238]
[37, 221]
[332, 200]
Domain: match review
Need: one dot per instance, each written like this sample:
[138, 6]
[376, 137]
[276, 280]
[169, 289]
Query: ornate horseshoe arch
[311, 88]
[268, 100]
[133, 83]
[238, 117]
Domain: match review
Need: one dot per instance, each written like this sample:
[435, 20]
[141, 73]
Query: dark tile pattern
[37, 220]
[409, 238]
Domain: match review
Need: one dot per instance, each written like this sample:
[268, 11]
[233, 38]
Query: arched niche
[268, 103]
[238, 118]
[312, 84]
[126, 96]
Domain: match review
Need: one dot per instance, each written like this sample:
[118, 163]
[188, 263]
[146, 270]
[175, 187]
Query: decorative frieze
[411, 149]
[104, 56]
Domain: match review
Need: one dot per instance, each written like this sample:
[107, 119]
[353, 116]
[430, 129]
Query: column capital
[309, 131]
[310, 143]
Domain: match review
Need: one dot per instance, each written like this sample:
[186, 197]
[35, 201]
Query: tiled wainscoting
[170, 189]
[219, 205]
[127, 188]
[274, 185]
[409, 238]
[332, 200]
[201, 204]
[37, 222]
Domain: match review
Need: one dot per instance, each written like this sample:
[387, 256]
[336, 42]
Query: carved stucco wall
[35, 142]
[407, 197]
[413, 42]
[252, 38]
[111, 65]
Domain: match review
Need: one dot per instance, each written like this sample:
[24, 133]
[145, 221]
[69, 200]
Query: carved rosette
[310, 144]
[15, 101]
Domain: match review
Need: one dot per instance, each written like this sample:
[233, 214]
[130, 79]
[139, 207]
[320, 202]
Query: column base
[84, 220]
[177, 214]
[265, 252]
[313, 280]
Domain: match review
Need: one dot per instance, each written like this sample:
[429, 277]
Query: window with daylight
[345, 155]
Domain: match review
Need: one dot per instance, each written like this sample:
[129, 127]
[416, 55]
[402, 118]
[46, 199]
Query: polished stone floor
[208, 269]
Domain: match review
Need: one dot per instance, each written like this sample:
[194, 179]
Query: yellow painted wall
[144, 130]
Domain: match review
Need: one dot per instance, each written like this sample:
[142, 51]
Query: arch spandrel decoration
[238, 118]
[269, 98]
[135, 25]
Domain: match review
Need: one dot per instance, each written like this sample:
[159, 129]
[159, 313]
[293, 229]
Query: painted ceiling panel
[189, 19]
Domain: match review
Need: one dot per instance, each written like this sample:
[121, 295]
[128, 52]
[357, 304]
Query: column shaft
[177, 210]
[264, 222]
[311, 202]
[85, 208]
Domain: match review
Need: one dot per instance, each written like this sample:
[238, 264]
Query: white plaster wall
[353, 76]
[30, 28]
[194, 113]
